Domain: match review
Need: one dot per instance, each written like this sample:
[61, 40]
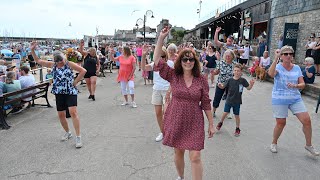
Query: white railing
[221, 9]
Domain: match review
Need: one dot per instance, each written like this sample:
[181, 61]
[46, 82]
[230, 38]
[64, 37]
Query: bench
[41, 92]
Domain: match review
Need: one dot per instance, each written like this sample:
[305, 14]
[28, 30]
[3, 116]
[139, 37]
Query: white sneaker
[312, 150]
[273, 148]
[134, 105]
[125, 103]
[66, 136]
[159, 137]
[229, 116]
[179, 178]
[78, 142]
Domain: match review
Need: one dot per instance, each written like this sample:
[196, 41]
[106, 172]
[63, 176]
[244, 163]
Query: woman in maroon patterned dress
[184, 124]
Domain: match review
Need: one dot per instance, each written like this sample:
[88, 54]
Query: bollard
[41, 75]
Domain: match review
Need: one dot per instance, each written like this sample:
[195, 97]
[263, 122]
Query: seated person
[3, 67]
[12, 85]
[26, 80]
[309, 71]
[265, 61]
[256, 63]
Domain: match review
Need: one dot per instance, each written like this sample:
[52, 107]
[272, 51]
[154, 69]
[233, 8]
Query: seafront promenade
[119, 141]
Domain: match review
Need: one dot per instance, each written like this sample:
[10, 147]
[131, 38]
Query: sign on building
[291, 31]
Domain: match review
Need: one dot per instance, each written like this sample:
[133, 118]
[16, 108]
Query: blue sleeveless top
[63, 80]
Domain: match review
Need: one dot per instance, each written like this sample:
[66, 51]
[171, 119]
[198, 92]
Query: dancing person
[160, 88]
[210, 63]
[172, 52]
[225, 71]
[234, 96]
[183, 119]
[31, 62]
[145, 74]
[288, 80]
[228, 45]
[126, 74]
[64, 89]
[92, 65]
[139, 55]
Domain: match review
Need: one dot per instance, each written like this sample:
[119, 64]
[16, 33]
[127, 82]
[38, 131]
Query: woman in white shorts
[288, 80]
[160, 87]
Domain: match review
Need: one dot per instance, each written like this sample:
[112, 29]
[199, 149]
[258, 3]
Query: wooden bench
[41, 91]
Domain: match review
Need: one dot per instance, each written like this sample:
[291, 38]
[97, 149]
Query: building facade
[304, 14]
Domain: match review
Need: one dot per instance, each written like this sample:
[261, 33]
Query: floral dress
[63, 80]
[183, 119]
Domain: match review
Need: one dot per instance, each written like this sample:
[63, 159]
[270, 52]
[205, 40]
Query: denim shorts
[281, 111]
[235, 108]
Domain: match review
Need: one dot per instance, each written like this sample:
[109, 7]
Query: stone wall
[309, 22]
[288, 7]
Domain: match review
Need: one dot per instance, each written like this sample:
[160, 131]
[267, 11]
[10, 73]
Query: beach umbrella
[6, 52]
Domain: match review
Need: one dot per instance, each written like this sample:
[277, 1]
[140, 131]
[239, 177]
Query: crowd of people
[180, 78]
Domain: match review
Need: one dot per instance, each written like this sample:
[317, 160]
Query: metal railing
[222, 9]
[40, 74]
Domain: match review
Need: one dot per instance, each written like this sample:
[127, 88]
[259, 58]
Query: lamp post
[140, 21]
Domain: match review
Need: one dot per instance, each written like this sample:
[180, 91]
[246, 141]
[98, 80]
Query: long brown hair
[187, 53]
[126, 51]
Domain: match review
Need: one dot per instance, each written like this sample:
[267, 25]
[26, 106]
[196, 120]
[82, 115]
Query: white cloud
[50, 18]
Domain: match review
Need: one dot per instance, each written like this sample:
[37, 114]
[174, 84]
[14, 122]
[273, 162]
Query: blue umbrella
[6, 52]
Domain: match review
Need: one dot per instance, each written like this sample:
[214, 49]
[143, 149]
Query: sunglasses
[164, 56]
[286, 54]
[188, 59]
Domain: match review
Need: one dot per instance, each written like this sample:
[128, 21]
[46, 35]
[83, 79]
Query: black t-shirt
[30, 58]
[103, 51]
[90, 63]
[211, 61]
[235, 89]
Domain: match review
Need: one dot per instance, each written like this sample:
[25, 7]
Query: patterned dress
[63, 80]
[183, 119]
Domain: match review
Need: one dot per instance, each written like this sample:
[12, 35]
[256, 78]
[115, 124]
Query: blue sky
[50, 18]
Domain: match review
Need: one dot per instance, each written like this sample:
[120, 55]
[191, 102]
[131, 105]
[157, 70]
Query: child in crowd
[234, 100]
[145, 75]
[256, 63]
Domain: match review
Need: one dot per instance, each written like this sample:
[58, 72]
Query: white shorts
[158, 97]
[281, 111]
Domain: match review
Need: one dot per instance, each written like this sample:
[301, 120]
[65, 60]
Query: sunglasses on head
[286, 54]
[185, 59]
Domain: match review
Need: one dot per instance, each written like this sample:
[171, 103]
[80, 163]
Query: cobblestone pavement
[119, 141]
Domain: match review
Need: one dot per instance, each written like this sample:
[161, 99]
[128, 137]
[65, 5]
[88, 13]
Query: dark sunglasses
[286, 54]
[188, 59]
[164, 56]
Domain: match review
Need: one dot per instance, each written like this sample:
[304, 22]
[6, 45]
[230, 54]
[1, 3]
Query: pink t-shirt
[139, 51]
[126, 68]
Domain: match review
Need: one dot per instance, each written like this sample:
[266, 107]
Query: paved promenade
[119, 142]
